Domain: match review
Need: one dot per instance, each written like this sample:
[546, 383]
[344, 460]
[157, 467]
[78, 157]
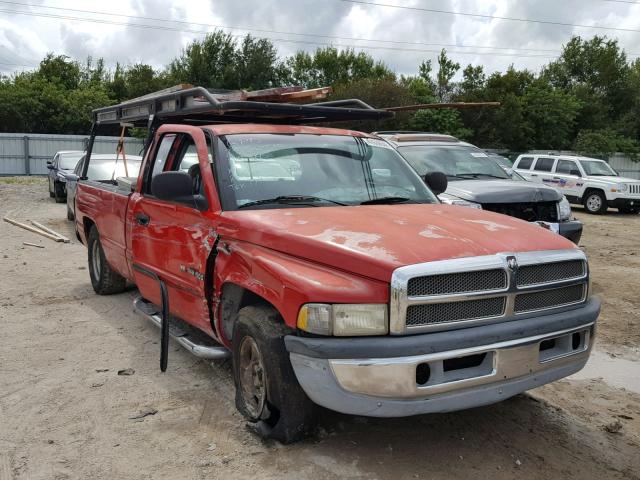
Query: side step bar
[193, 345]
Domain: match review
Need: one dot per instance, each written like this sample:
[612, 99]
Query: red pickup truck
[329, 271]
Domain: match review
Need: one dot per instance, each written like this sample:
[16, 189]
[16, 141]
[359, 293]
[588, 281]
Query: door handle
[142, 219]
[534, 174]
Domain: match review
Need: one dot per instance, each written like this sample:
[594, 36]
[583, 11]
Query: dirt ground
[65, 413]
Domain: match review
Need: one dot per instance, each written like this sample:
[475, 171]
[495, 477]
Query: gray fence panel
[39, 148]
[625, 166]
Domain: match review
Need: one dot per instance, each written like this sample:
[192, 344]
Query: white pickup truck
[583, 180]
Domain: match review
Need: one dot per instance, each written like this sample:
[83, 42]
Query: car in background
[60, 167]
[583, 180]
[102, 168]
[477, 180]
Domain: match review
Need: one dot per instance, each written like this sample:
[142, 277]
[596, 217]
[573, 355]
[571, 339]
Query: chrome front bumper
[443, 381]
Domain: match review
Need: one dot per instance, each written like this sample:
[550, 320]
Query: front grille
[557, 297]
[530, 212]
[550, 272]
[436, 313]
[462, 282]
[634, 188]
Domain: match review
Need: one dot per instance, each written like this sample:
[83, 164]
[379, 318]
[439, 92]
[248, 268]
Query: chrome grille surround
[634, 188]
[538, 261]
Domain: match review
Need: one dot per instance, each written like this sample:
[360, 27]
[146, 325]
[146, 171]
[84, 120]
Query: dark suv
[476, 180]
[60, 167]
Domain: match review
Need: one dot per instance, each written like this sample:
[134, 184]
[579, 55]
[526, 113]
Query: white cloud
[25, 39]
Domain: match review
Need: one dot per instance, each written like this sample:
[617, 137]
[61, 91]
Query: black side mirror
[436, 181]
[177, 187]
[49, 166]
[575, 172]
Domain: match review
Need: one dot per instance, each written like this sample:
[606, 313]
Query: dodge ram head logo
[512, 263]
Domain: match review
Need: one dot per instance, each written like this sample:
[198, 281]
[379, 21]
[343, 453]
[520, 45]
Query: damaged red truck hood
[374, 240]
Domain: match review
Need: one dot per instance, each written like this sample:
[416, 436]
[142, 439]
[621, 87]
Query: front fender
[288, 282]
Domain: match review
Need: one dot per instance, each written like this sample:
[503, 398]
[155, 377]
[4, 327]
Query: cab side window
[568, 167]
[544, 164]
[79, 167]
[525, 163]
[187, 161]
[162, 156]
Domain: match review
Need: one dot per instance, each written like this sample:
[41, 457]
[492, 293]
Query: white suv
[587, 181]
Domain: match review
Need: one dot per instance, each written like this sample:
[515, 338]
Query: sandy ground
[65, 413]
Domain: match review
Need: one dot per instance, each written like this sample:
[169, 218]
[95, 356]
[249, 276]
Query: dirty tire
[104, 280]
[285, 413]
[58, 193]
[595, 202]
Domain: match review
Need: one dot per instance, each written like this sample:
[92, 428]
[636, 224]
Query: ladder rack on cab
[198, 105]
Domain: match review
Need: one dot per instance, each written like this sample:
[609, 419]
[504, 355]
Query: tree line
[587, 100]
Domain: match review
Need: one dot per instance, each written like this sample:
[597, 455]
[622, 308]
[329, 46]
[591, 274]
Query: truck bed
[105, 205]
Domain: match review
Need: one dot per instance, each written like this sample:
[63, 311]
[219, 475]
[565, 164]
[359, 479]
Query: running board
[197, 347]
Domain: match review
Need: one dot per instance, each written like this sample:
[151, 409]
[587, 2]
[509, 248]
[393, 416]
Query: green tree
[330, 66]
[447, 69]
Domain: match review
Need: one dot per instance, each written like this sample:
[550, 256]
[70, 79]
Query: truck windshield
[456, 162]
[597, 168]
[285, 170]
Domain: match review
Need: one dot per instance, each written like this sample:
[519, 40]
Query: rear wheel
[104, 279]
[267, 391]
[595, 202]
[51, 194]
[70, 215]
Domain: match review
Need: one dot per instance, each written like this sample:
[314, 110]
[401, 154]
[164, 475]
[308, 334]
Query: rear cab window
[525, 163]
[544, 164]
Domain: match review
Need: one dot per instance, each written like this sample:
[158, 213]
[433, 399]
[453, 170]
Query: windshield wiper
[291, 199]
[381, 200]
[476, 175]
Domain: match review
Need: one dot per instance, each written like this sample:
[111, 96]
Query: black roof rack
[198, 105]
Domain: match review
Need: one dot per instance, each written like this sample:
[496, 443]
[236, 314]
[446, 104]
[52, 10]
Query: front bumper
[571, 230]
[624, 202]
[443, 371]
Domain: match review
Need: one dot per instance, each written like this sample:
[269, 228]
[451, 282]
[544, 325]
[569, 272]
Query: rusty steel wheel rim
[252, 377]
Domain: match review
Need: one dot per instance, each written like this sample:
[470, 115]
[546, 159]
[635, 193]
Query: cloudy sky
[154, 31]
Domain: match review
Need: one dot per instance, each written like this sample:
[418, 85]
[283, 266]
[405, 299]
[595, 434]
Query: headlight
[448, 200]
[620, 187]
[564, 209]
[344, 320]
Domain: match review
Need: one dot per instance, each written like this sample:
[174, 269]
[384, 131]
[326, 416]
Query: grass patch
[21, 180]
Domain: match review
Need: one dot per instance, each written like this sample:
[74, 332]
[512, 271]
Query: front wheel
[104, 279]
[58, 192]
[595, 202]
[267, 391]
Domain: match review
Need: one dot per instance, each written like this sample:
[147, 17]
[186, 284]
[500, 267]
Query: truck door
[170, 239]
[567, 174]
[542, 168]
